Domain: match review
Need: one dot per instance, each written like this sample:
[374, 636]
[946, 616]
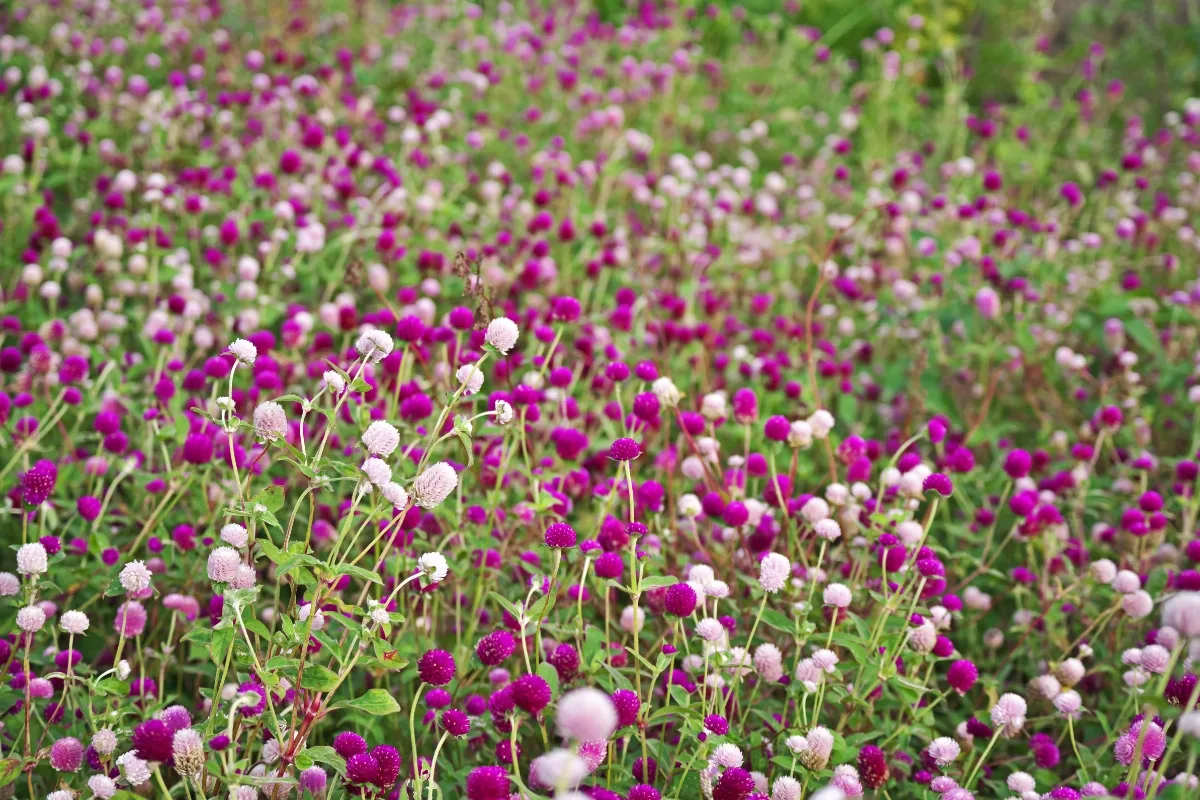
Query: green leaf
[269, 550]
[656, 581]
[505, 604]
[256, 626]
[376, 702]
[270, 497]
[319, 679]
[358, 572]
[201, 636]
[114, 588]
[327, 755]
[10, 768]
[114, 686]
[778, 620]
[550, 675]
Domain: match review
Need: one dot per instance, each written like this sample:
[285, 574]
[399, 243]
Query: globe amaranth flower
[559, 535]
[494, 648]
[37, 484]
[244, 351]
[502, 334]
[153, 741]
[381, 439]
[74, 622]
[872, 766]
[434, 567]
[624, 449]
[188, 750]
[66, 754]
[436, 667]
[471, 378]
[374, 345]
[270, 421]
[586, 714]
[1151, 738]
[31, 619]
[680, 600]
[223, 564]
[31, 559]
[135, 577]
[1009, 714]
[434, 485]
[377, 471]
[488, 783]
[531, 693]
[235, 535]
[774, 570]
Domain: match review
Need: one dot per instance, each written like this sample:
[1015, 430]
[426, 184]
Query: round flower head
[1138, 604]
[735, 783]
[313, 780]
[1182, 612]
[334, 381]
[436, 667]
[872, 766]
[1126, 581]
[504, 412]
[31, 619]
[348, 743]
[1152, 740]
[244, 351]
[827, 529]
[434, 566]
[31, 559]
[455, 722]
[104, 741]
[135, 577]
[624, 449]
[381, 439]
[1068, 703]
[586, 715]
[471, 379]
[531, 693]
[494, 648]
[395, 494]
[377, 471]
[223, 564]
[488, 783]
[837, 595]
[1009, 714]
[768, 662]
[234, 534]
[102, 786]
[188, 750]
[938, 483]
[153, 741]
[9, 584]
[74, 622]
[502, 334]
[374, 345]
[559, 535]
[680, 600]
[774, 571]
[434, 485]
[270, 421]
[944, 750]
[786, 787]
[66, 754]
[726, 755]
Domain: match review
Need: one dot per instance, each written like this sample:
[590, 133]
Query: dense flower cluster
[425, 399]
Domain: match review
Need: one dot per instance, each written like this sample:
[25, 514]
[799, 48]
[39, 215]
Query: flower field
[590, 401]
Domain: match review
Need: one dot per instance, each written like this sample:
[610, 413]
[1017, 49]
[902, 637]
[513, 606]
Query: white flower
[381, 438]
[334, 381]
[504, 412]
[375, 345]
[235, 535]
[270, 420]
[136, 771]
[667, 392]
[31, 619]
[434, 485]
[377, 471]
[394, 493]
[31, 559]
[471, 377]
[244, 351]
[502, 334]
[102, 786]
[586, 714]
[135, 577]
[434, 566]
[75, 622]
